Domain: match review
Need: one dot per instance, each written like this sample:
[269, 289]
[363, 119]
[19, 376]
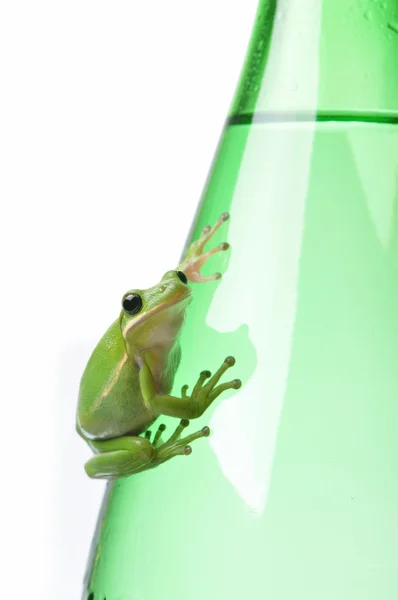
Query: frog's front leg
[195, 256]
[186, 407]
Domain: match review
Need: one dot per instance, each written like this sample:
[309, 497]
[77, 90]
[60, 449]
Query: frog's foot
[203, 394]
[196, 257]
[175, 445]
[157, 440]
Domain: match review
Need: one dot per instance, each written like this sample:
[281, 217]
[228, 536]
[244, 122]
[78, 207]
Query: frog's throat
[135, 323]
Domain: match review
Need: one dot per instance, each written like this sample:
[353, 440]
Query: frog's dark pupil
[182, 276]
[132, 304]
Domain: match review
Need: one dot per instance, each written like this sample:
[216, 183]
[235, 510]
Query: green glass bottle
[295, 494]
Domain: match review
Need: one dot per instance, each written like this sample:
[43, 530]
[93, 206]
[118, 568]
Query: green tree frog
[127, 382]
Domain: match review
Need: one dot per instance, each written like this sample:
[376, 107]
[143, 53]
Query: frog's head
[154, 316]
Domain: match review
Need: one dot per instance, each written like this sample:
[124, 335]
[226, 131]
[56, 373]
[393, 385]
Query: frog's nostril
[162, 288]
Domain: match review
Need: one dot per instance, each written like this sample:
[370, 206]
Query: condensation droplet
[368, 15]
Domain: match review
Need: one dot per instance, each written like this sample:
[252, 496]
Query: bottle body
[295, 492]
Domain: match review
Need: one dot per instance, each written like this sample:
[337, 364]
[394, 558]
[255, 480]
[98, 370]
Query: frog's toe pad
[206, 431]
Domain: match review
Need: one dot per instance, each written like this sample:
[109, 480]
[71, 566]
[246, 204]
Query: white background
[110, 113]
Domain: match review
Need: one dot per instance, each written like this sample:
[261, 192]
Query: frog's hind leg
[119, 457]
[127, 455]
[157, 440]
[175, 445]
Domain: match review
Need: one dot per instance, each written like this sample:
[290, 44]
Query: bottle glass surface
[295, 494]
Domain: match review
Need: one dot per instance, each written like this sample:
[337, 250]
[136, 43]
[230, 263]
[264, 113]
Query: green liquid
[310, 117]
[295, 494]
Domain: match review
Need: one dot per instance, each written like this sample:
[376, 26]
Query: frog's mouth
[176, 308]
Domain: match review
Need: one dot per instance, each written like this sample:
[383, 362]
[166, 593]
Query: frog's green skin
[129, 376]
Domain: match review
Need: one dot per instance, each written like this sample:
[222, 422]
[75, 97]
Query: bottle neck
[321, 56]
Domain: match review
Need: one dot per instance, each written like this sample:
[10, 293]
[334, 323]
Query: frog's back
[110, 402]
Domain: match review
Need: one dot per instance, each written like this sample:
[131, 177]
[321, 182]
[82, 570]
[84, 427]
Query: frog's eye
[182, 276]
[132, 304]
